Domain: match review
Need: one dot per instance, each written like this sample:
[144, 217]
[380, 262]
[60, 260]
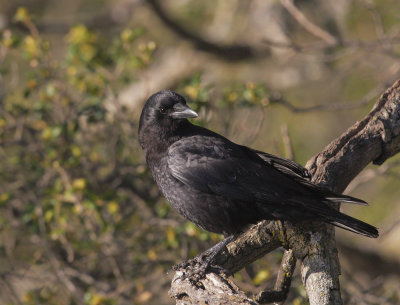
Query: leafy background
[82, 221]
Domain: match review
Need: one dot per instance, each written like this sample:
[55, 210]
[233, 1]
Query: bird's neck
[161, 138]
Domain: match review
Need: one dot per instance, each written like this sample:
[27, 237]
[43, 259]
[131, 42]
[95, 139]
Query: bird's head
[161, 115]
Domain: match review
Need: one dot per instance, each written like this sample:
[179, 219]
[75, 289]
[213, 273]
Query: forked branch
[373, 139]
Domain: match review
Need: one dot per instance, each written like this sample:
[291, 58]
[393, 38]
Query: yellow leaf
[27, 298]
[8, 40]
[4, 197]
[76, 151]
[72, 71]
[31, 45]
[152, 255]
[94, 156]
[151, 45]
[46, 133]
[39, 125]
[79, 184]
[171, 236]
[48, 215]
[192, 91]
[78, 34]
[250, 85]
[126, 35]
[233, 96]
[261, 276]
[297, 301]
[191, 229]
[96, 299]
[22, 15]
[87, 51]
[77, 209]
[144, 297]
[112, 207]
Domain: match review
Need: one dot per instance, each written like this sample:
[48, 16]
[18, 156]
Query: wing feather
[216, 166]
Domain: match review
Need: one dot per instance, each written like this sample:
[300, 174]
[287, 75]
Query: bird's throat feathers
[159, 138]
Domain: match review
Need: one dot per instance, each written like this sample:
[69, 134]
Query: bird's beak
[182, 111]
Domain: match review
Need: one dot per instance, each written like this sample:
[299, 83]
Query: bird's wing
[217, 166]
[286, 166]
[302, 176]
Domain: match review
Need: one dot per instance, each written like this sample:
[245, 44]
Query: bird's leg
[213, 252]
[283, 281]
[203, 261]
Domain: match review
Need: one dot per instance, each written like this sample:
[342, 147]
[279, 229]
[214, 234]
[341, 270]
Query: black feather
[222, 186]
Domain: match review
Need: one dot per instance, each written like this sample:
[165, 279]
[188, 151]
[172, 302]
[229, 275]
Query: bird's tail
[351, 224]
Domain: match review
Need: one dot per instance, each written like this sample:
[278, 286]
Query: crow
[224, 187]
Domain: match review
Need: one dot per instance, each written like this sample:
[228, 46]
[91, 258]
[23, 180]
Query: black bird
[223, 187]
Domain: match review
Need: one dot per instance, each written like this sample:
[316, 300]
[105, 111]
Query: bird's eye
[163, 110]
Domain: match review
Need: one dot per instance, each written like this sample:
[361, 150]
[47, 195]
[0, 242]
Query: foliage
[68, 170]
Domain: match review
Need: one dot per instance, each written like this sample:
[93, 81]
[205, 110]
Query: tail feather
[352, 224]
[346, 199]
[328, 194]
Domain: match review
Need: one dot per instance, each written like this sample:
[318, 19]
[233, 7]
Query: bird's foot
[196, 268]
[191, 263]
[197, 272]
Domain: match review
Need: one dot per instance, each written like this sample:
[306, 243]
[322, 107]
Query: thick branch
[375, 138]
[226, 52]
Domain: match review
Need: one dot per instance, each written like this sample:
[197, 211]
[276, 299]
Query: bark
[373, 139]
[283, 281]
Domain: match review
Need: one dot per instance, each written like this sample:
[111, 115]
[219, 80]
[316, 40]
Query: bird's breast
[209, 212]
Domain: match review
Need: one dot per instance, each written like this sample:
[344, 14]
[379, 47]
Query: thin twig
[283, 281]
[329, 107]
[308, 25]
[287, 144]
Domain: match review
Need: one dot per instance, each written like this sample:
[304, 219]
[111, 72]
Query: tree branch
[283, 281]
[226, 52]
[375, 138]
[307, 24]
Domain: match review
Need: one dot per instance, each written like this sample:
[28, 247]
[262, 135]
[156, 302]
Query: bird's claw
[221, 270]
[199, 272]
[196, 268]
[190, 263]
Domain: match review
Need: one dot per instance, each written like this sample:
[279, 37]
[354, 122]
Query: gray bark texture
[373, 139]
